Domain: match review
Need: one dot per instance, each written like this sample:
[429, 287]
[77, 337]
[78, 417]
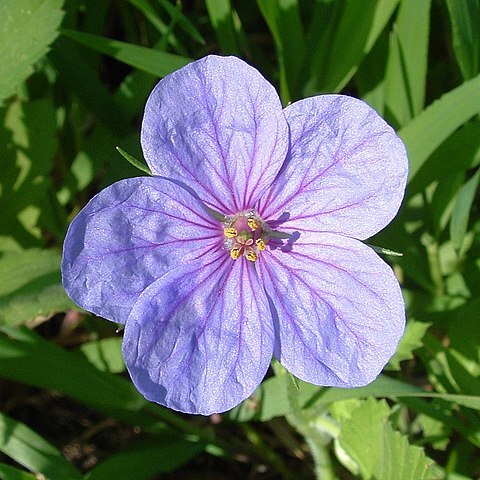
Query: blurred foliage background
[74, 78]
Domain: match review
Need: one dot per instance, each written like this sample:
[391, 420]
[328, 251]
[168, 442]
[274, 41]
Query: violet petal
[218, 126]
[127, 236]
[338, 309]
[346, 171]
[200, 340]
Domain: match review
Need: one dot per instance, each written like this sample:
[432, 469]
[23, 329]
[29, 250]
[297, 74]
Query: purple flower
[246, 242]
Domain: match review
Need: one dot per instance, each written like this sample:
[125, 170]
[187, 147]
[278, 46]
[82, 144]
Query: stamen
[261, 245]
[246, 235]
[253, 224]
[230, 232]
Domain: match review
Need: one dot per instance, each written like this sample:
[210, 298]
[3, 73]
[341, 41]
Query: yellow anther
[261, 245]
[253, 224]
[235, 253]
[230, 232]
[251, 255]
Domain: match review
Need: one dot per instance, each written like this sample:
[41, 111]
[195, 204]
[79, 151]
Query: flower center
[246, 234]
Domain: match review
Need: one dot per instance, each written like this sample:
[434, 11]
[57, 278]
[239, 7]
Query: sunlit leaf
[30, 286]
[32, 451]
[379, 450]
[149, 60]
[437, 122]
[27, 28]
[411, 340]
[465, 18]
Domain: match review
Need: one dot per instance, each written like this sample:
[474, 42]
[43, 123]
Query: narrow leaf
[32, 451]
[149, 60]
[465, 18]
[407, 66]
[438, 121]
[133, 161]
[461, 210]
[7, 472]
[220, 13]
[160, 454]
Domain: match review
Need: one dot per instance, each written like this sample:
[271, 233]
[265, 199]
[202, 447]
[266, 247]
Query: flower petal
[127, 236]
[200, 340]
[218, 126]
[339, 309]
[346, 172]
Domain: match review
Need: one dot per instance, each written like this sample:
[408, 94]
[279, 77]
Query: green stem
[433, 255]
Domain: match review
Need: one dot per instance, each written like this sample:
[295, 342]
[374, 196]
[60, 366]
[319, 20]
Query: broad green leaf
[30, 286]
[28, 143]
[461, 210]
[27, 28]
[436, 123]
[465, 18]
[105, 354]
[32, 451]
[159, 454]
[379, 450]
[7, 472]
[220, 13]
[149, 60]
[411, 340]
[407, 64]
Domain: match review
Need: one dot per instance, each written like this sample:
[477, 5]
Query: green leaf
[160, 454]
[81, 80]
[335, 59]
[30, 286]
[380, 451]
[28, 143]
[440, 165]
[465, 18]
[28, 27]
[28, 359]
[438, 121]
[183, 22]
[8, 472]
[149, 60]
[270, 400]
[411, 340]
[284, 21]
[105, 354]
[407, 64]
[221, 18]
[133, 161]
[461, 210]
[32, 451]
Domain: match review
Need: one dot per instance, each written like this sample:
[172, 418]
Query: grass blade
[151, 61]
